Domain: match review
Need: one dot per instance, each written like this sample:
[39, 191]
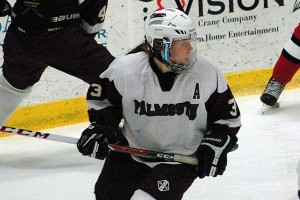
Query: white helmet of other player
[165, 26]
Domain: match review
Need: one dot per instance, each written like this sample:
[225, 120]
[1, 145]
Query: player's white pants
[10, 98]
[141, 195]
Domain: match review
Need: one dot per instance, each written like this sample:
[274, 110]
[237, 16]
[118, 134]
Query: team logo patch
[163, 185]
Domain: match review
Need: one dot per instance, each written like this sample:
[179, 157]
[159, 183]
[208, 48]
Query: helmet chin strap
[154, 53]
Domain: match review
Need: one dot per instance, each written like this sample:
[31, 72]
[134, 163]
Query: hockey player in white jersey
[172, 100]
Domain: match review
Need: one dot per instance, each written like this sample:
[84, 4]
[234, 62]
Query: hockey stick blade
[155, 155]
[39, 135]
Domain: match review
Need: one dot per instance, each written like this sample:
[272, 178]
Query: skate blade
[265, 107]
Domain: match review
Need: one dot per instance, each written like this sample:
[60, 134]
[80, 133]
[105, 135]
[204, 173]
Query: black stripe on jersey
[290, 57]
[286, 54]
[296, 40]
[218, 108]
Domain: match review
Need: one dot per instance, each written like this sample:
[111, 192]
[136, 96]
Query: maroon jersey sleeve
[105, 103]
[93, 11]
[223, 112]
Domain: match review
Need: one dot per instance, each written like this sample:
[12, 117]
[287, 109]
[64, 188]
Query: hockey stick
[40, 135]
[158, 155]
[122, 149]
[154, 154]
[113, 147]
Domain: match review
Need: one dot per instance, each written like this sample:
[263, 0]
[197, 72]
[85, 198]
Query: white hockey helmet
[165, 26]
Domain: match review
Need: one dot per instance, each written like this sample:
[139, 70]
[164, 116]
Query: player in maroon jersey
[56, 33]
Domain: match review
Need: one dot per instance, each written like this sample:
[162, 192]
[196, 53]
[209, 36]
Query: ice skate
[271, 94]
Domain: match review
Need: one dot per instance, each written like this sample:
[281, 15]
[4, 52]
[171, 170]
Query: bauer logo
[157, 15]
[65, 17]
[296, 5]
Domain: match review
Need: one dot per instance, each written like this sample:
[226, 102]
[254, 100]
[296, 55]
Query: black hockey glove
[5, 8]
[212, 153]
[93, 141]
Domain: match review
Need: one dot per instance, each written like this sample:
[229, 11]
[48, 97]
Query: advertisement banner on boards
[240, 34]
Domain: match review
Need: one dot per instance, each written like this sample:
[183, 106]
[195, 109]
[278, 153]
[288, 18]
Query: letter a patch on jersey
[163, 185]
[196, 92]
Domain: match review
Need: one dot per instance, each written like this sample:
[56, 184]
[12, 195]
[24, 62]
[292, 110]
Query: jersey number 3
[232, 102]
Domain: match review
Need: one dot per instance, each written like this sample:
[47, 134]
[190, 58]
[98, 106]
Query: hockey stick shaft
[158, 155]
[155, 155]
[113, 147]
[122, 149]
[39, 135]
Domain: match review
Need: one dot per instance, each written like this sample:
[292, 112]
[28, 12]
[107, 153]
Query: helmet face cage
[164, 27]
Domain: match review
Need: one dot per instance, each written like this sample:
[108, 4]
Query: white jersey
[170, 121]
